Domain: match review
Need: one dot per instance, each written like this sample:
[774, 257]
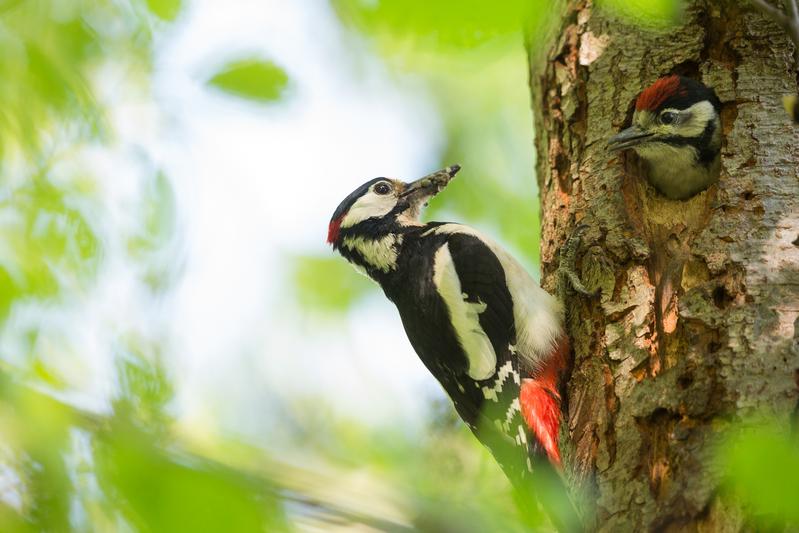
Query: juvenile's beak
[628, 138]
[425, 188]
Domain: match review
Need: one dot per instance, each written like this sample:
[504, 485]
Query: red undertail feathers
[540, 401]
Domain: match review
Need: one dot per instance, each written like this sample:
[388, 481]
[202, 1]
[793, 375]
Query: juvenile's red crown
[653, 96]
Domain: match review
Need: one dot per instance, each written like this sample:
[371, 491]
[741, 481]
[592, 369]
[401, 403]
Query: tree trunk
[696, 327]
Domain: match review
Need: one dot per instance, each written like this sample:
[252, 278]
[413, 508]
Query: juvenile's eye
[668, 117]
[382, 188]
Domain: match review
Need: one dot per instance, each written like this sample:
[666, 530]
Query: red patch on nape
[540, 401]
[333, 230]
[653, 96]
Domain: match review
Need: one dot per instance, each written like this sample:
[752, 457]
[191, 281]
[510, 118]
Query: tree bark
[697, 324]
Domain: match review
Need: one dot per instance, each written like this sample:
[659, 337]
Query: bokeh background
[179, 349]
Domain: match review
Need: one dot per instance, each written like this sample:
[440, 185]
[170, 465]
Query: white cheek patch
[698, 115]
[370, 205]
[691, 123]
[465, 317]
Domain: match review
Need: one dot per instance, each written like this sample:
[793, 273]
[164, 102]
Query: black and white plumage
[676, 130]
[487, 332]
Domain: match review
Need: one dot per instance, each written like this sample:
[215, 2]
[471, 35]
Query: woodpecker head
[367, 226]
[676, 130]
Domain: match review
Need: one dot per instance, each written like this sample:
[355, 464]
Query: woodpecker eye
[382, 188]
[668, 117]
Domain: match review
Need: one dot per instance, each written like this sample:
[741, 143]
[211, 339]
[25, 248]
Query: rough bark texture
[697, 326]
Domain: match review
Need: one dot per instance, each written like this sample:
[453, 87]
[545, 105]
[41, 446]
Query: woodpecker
[486, 331]
[676, 130]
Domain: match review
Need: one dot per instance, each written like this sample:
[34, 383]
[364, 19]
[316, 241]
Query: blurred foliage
[157, 493]
[647, 13]
[124, 466]
[133, 472]
[165, 9]
[761, 466]
[253, 79]
[457, 24]
[328, 283]
[82, 471]
[50, 49]
[439, 480]
[150, 247]
[47, 243]
[157, 488]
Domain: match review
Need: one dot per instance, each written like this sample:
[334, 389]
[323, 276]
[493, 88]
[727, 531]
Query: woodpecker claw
[567, 269]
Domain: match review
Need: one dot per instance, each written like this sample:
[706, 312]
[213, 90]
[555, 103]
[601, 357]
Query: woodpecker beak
[425, 188]
[628, 138]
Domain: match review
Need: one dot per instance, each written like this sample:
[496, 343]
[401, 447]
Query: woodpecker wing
[514, 301]
[471, 280]
[503, 317]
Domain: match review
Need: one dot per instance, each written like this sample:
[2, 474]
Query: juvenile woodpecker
[487, 332]
[676, 130]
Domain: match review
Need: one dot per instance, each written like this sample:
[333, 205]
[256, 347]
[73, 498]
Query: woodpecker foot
[567, 272]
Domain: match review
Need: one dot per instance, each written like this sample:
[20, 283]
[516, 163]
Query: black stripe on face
[377, 227]
[706, 152]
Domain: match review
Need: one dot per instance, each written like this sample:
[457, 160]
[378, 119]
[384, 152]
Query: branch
[788, 21]
[775, 13]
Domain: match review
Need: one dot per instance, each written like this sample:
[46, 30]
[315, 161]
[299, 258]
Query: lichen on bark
[696, 326]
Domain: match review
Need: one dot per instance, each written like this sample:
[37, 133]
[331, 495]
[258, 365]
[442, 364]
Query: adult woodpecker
[487, 332]
[676, 130]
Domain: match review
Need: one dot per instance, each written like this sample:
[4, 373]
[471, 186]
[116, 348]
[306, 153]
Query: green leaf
[156, 492]
[762, 467]
[253, 79]
[164, 9]
[451, 23]
[658, 13]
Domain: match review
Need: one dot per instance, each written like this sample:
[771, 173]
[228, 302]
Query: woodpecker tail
[540, 401]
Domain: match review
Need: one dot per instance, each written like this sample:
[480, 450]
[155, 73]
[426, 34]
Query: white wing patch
[465, 317]
[380, 253]
[535, 312]
[513, 409]
[506, 370]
